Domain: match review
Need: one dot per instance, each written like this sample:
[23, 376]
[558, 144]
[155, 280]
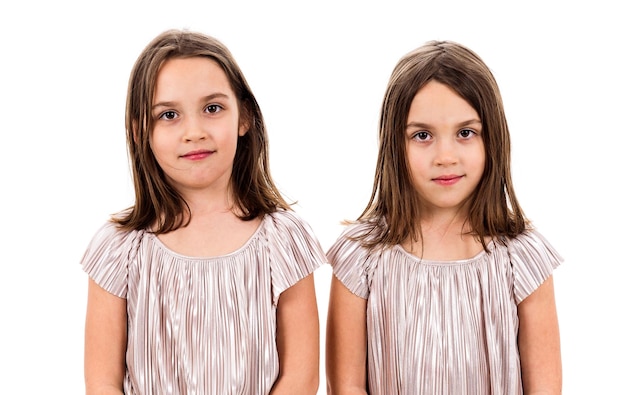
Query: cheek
[155, 146]
[418, 174]
[483, 159]
[479, 167]
[418, 165]
[158, 146]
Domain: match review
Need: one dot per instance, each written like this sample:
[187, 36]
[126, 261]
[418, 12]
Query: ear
[243, 128]
[244, 123]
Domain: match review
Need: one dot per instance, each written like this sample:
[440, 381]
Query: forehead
[437, 102]
[197, 74]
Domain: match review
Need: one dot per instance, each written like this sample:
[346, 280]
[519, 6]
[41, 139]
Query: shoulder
[532, 245]
[108, 254]
[109, 231]
[353, 239]
[286, 218]
[111, 239]
[533, 260]
[293, 248]
[288, 225]
[353, 262]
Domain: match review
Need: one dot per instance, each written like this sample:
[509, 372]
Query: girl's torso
[203, 325]
[443, 327]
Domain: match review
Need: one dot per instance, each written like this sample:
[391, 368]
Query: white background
[318, 70]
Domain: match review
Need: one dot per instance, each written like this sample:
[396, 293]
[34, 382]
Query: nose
[446, 154]
[194, 129]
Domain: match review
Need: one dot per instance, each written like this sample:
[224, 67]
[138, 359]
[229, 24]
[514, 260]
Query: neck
[446, 236]
[445, 223]
[207, 202]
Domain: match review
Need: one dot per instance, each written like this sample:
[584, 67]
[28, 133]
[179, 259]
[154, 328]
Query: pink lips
[197, 155]
[447, 180]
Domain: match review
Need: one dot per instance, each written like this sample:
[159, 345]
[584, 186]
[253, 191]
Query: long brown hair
[158, 205]
[493, 209]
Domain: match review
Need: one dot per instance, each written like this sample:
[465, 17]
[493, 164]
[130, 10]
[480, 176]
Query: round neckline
[239, 250]
[465, 261]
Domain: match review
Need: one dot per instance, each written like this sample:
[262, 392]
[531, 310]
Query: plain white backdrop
[318, 70]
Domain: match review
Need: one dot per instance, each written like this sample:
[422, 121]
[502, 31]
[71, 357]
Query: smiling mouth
[197, 155]
[447, 180]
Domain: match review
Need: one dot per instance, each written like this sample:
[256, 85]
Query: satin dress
[203, 325]
[438, 327]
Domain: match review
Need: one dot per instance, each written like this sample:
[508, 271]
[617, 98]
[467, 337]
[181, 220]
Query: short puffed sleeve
[107, 258]
[533, 260]
[294, 250]
[353, 263]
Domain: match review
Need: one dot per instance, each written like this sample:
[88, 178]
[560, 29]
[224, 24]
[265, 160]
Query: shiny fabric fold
[203, 325]
[443, 327]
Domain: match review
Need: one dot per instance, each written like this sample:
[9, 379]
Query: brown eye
[213, 108]
[466, 133]
[169, 115]
[421, 136]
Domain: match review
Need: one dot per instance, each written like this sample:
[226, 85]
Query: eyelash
[428, 134]
[211, 109]
[164, 115]
[421, 133]
[468, 130]
[216, 106]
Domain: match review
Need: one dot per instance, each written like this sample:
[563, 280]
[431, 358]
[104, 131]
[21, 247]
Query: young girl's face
[444, 147]
[196, 124]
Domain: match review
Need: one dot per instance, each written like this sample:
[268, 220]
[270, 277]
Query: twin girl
[205, 285]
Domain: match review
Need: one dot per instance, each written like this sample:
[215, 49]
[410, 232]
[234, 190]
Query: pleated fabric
[443, 327]
[203, 325]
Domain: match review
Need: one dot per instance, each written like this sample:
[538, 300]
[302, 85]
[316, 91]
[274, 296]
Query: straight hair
[158, 205]
[394, 203]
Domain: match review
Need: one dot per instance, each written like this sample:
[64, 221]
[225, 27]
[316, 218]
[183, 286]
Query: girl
[205, 285]
[442, 286]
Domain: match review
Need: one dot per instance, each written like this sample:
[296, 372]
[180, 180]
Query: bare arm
[298, 340]
[346, 342]
[539, 342]
[105, 342]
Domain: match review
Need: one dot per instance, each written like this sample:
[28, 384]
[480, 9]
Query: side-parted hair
[493, 209]
[158, 205]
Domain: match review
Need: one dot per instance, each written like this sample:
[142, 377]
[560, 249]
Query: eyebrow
[210, 97]
[459, 125]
